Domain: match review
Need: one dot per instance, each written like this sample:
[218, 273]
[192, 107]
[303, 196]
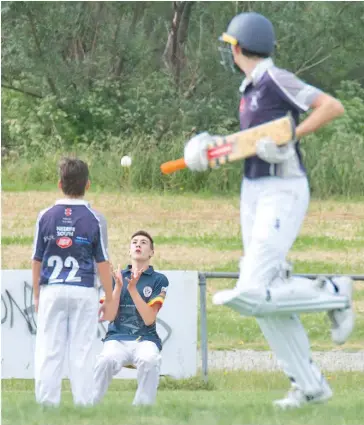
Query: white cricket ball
[125, 161]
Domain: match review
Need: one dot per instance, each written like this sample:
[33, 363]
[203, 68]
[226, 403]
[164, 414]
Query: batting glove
[268, 151]
[195, 152]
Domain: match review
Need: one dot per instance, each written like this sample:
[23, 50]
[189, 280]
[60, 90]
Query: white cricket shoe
[296, 397]
[342, 321]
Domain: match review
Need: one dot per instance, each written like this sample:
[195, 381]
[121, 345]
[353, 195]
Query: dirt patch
[16, 257]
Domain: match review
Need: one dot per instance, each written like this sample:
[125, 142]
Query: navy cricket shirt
[128, 324]
[69, 238]
[269, 94]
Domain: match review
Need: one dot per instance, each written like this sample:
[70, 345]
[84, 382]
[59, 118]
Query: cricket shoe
[342, 320]
[297, 398]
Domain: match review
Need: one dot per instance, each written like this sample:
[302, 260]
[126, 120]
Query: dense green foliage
[102, 79]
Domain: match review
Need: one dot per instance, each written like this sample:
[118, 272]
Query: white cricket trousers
[66, 326]
[143, 355]
[272, 212]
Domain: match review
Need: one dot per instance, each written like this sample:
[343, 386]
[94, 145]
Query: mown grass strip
[16, 240]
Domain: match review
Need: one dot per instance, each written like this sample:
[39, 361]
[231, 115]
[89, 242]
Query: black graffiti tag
[26, 309]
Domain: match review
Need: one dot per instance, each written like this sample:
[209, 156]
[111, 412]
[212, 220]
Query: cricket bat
[240, 145]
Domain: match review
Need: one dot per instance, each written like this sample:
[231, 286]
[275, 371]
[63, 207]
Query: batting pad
[288, 339]
[295, 295]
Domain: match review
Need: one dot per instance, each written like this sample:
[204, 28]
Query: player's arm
[103, 269]
[36, 268]
[148, 311]
[303, 97]
[117, 287]
[37, 257]
[108, 310]
[325, 109]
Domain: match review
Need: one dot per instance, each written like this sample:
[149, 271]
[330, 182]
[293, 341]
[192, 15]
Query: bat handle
[172, 166]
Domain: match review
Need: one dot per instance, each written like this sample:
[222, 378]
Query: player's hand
[268, 151]
[116, 274]
[36, 304]
[195, 152]
[134, 278]
[107, 312]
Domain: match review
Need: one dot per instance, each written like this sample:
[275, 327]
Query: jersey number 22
[57, 262]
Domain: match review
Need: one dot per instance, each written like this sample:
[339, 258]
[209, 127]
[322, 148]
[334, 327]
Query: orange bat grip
[172, 166]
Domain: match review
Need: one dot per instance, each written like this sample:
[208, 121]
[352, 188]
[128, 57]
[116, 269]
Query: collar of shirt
[72, 201]
[149, 270]
[257, 73]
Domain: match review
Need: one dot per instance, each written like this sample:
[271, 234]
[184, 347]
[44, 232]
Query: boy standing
[70, 247]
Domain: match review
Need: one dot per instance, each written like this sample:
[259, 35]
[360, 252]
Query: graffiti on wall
[22, 308]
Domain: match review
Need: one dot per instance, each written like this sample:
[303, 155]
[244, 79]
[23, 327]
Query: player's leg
[147, 359]
[247, 215]
[276, 226]
[248, 204]
[114, 355]
[83, 307]
[288, 340]
[50, 345]
[285, 334]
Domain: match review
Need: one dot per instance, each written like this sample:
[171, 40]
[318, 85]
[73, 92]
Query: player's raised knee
[149, 358]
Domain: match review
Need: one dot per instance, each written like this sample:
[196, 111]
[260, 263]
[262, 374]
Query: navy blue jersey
[128, 324]
[69, 238]
[270, 94]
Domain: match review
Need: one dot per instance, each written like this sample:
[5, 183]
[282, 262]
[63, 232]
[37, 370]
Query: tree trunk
[173, 55]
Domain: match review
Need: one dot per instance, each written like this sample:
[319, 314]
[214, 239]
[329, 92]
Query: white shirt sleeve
[295, 91]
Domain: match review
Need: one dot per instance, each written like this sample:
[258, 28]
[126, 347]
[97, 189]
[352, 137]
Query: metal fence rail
[202, 278]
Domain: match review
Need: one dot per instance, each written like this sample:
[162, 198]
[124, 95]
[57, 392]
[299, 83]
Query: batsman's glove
[195, 152]
[267, 150]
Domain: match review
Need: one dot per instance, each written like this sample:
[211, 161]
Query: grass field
[237, 399]
[202, 233]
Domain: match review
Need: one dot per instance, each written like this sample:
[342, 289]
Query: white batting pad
[294, 295]
[287, 338]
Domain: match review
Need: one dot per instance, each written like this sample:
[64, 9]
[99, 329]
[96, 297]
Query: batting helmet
[251, 31]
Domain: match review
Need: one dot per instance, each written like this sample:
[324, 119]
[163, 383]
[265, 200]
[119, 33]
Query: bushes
[151, 122]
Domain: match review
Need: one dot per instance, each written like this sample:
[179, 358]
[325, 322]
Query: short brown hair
[146, 234]
[74, 176]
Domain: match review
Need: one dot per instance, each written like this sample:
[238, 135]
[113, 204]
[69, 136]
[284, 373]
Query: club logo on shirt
[64, 242]
[254, 101]
[68, 212]
[147, 291]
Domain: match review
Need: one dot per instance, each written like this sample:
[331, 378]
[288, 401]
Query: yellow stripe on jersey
[158, 299]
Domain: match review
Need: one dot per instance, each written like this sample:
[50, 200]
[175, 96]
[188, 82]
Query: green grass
[243, 398]
[216, 242]
[303, 243]
[311, 267]
[16, 240]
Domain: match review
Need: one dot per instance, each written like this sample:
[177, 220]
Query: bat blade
[240, 145]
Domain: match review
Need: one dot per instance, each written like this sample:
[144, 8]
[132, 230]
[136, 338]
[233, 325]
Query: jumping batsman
[132, 338]
[274, 201]
[70, 248]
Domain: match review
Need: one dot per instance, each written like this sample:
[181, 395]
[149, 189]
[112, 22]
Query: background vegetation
[104, 79]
